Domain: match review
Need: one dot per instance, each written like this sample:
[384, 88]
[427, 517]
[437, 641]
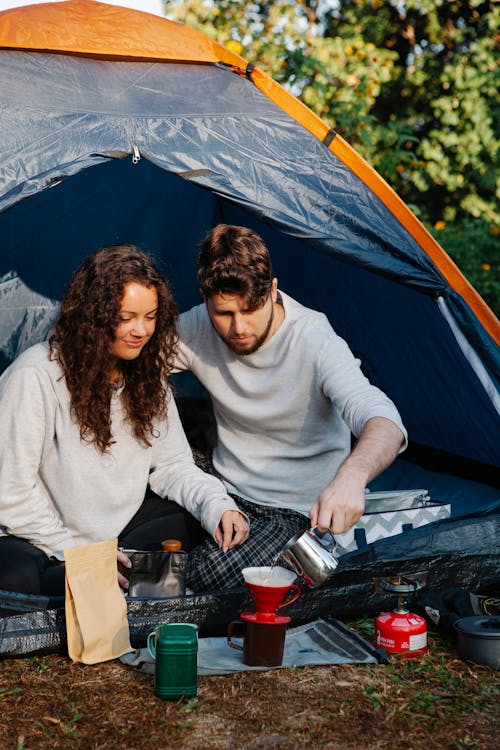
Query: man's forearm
[377, 447]
[342, 502]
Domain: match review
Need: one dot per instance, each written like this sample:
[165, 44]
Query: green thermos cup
[174, 647]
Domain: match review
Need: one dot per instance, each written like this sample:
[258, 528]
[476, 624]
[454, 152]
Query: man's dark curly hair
[83, 338]
[235, 260]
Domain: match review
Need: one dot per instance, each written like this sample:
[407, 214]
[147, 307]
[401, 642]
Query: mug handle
[151, 643]
[230, 634]
[292, 598]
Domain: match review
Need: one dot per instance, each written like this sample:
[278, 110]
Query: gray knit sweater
[286, 412]
[57, 491]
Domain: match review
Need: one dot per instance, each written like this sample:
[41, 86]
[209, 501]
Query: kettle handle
[325, 538]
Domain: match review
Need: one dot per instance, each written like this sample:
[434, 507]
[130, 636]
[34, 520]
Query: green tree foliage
[412, 85]
[443, 89]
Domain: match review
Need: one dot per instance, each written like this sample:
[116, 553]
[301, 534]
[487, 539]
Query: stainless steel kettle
[311, 555]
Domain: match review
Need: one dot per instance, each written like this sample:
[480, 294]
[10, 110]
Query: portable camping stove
[401, 631]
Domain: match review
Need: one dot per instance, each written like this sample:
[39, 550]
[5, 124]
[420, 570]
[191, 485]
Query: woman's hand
[233, 529]
[125, 561]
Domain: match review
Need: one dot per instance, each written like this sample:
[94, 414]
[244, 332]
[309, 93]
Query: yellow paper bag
[96, 611]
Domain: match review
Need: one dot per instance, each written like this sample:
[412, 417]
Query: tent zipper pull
[136, 157]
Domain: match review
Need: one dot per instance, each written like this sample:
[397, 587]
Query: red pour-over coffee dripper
[269, 587]
[265, 630]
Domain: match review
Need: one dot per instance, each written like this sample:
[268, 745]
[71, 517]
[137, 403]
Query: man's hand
[342, 502]
[232, 530]
[125, 561]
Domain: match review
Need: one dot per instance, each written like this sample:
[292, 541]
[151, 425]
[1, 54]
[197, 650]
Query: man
[287, 393]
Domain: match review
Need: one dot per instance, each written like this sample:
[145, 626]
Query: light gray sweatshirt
[284, 413]
[57, 491]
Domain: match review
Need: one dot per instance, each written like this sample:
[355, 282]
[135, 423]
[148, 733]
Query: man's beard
[232, 343]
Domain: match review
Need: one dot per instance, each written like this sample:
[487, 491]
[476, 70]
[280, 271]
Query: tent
[147, 131]
[120, 126]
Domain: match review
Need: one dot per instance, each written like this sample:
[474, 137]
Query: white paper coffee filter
[268, 575]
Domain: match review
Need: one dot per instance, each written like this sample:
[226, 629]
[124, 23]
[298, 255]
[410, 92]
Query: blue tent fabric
[100, 150]
[214, 148]
[208, 124]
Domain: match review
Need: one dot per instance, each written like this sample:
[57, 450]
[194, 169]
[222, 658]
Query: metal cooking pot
[311, 555]
[478, 639]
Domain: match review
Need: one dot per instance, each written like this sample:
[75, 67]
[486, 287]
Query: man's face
[243, 330]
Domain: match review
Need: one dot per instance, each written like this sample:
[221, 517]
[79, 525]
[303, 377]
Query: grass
[432, 702]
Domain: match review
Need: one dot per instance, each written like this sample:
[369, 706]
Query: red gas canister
[401, 631]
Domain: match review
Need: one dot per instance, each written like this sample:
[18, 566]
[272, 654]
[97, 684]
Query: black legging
[26, 569]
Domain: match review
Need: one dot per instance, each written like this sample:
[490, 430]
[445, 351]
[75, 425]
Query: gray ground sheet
[318, 642]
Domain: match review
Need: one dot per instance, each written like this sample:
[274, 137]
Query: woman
[88, 423]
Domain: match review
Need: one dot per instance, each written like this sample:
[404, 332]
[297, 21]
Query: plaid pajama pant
[270, 529]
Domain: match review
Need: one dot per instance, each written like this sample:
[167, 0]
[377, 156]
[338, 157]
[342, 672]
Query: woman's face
[138, 310]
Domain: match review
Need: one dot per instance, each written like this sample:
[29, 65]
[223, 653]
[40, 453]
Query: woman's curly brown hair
[83, 338]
